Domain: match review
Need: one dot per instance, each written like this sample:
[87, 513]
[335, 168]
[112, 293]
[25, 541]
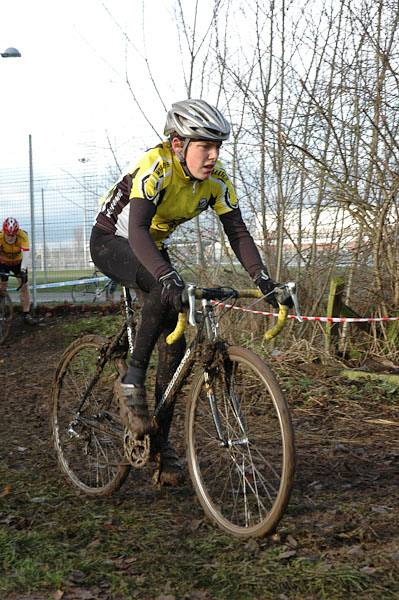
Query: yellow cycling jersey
[11, 254]
[159, 178]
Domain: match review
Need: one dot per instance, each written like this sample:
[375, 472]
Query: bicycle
[90, 291]
[6, 311]
[238, 432]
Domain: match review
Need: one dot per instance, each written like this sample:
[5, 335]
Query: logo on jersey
[203, 204]
[150, 187]
[229, 201]
[110, 206]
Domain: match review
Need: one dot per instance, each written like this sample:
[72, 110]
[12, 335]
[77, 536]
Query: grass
[63, 540]
[104, 325]
[57, 276]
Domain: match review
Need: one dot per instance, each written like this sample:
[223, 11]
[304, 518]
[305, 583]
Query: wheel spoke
[93, 459]
[242, 480]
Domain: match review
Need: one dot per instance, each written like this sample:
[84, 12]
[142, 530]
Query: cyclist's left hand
[267, 287]
[172, 288]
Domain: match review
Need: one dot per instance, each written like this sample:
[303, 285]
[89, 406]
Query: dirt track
[343, 513]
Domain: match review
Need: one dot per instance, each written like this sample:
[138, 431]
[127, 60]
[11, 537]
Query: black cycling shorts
[113, 256]
[12, 269]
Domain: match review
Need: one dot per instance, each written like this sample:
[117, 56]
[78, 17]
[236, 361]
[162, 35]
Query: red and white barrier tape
[319, 319]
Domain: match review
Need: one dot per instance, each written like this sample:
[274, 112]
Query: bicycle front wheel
[242, 470]
[87, 432]
[5, 315]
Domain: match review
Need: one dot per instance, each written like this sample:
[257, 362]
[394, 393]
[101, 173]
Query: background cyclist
[14, 255]
[170, 184]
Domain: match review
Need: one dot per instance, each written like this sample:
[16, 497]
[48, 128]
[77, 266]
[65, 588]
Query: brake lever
[191, 304]
[291, 286]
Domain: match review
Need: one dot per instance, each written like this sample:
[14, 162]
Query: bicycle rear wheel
[5, 315]
[85, 292]
[243, 481]
[88, 439]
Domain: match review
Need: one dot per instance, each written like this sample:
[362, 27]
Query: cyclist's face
[201, 157]
[10, 239]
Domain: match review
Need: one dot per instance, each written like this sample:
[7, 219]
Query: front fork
[211, 329]
[226, 441]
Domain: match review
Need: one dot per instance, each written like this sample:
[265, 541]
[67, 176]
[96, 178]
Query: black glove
[23, 275]
[172, 288]
[267, 287]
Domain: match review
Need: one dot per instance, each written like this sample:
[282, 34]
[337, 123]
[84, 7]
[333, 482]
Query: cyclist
[14, 254]
[170, 184]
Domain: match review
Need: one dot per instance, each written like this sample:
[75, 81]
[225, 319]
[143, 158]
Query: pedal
[137, 451]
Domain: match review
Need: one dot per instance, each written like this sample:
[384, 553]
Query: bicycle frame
[206, 328]
[177, 379]
[122, 340]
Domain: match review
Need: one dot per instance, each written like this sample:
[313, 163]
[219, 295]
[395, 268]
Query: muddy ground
[339, 538]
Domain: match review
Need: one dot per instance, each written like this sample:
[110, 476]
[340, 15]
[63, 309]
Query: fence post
[337, 308]
[334, 308]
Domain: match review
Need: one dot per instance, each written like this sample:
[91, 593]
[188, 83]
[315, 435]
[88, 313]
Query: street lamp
[11, 53]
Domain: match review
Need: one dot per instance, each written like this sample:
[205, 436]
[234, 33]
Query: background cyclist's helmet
[196, 120]
[10, 226]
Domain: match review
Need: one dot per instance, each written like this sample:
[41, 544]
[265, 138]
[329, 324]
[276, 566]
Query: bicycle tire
[89, 446]
[6, 312]
[85, 292]
[243, 487]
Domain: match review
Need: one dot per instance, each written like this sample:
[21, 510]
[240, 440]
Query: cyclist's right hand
[172, 288]
[23, 276]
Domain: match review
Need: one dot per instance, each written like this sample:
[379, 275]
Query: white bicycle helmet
[196, 120]
[10, 226]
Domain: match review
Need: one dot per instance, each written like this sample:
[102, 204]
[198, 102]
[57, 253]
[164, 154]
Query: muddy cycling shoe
[27, 318]
[121, 366]
[170, 471]
[133, 407]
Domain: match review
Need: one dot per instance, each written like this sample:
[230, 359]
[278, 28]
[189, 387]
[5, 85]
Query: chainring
[137, 451]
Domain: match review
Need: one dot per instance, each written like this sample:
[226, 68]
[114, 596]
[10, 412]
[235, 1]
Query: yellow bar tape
[179, 330]
[269, 334]
[250, 293]
[281, 319]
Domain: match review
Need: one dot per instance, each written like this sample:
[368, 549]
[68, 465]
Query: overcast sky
[68, 88]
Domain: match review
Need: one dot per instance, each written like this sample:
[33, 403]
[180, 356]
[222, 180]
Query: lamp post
[11, 53]
[32, 221]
